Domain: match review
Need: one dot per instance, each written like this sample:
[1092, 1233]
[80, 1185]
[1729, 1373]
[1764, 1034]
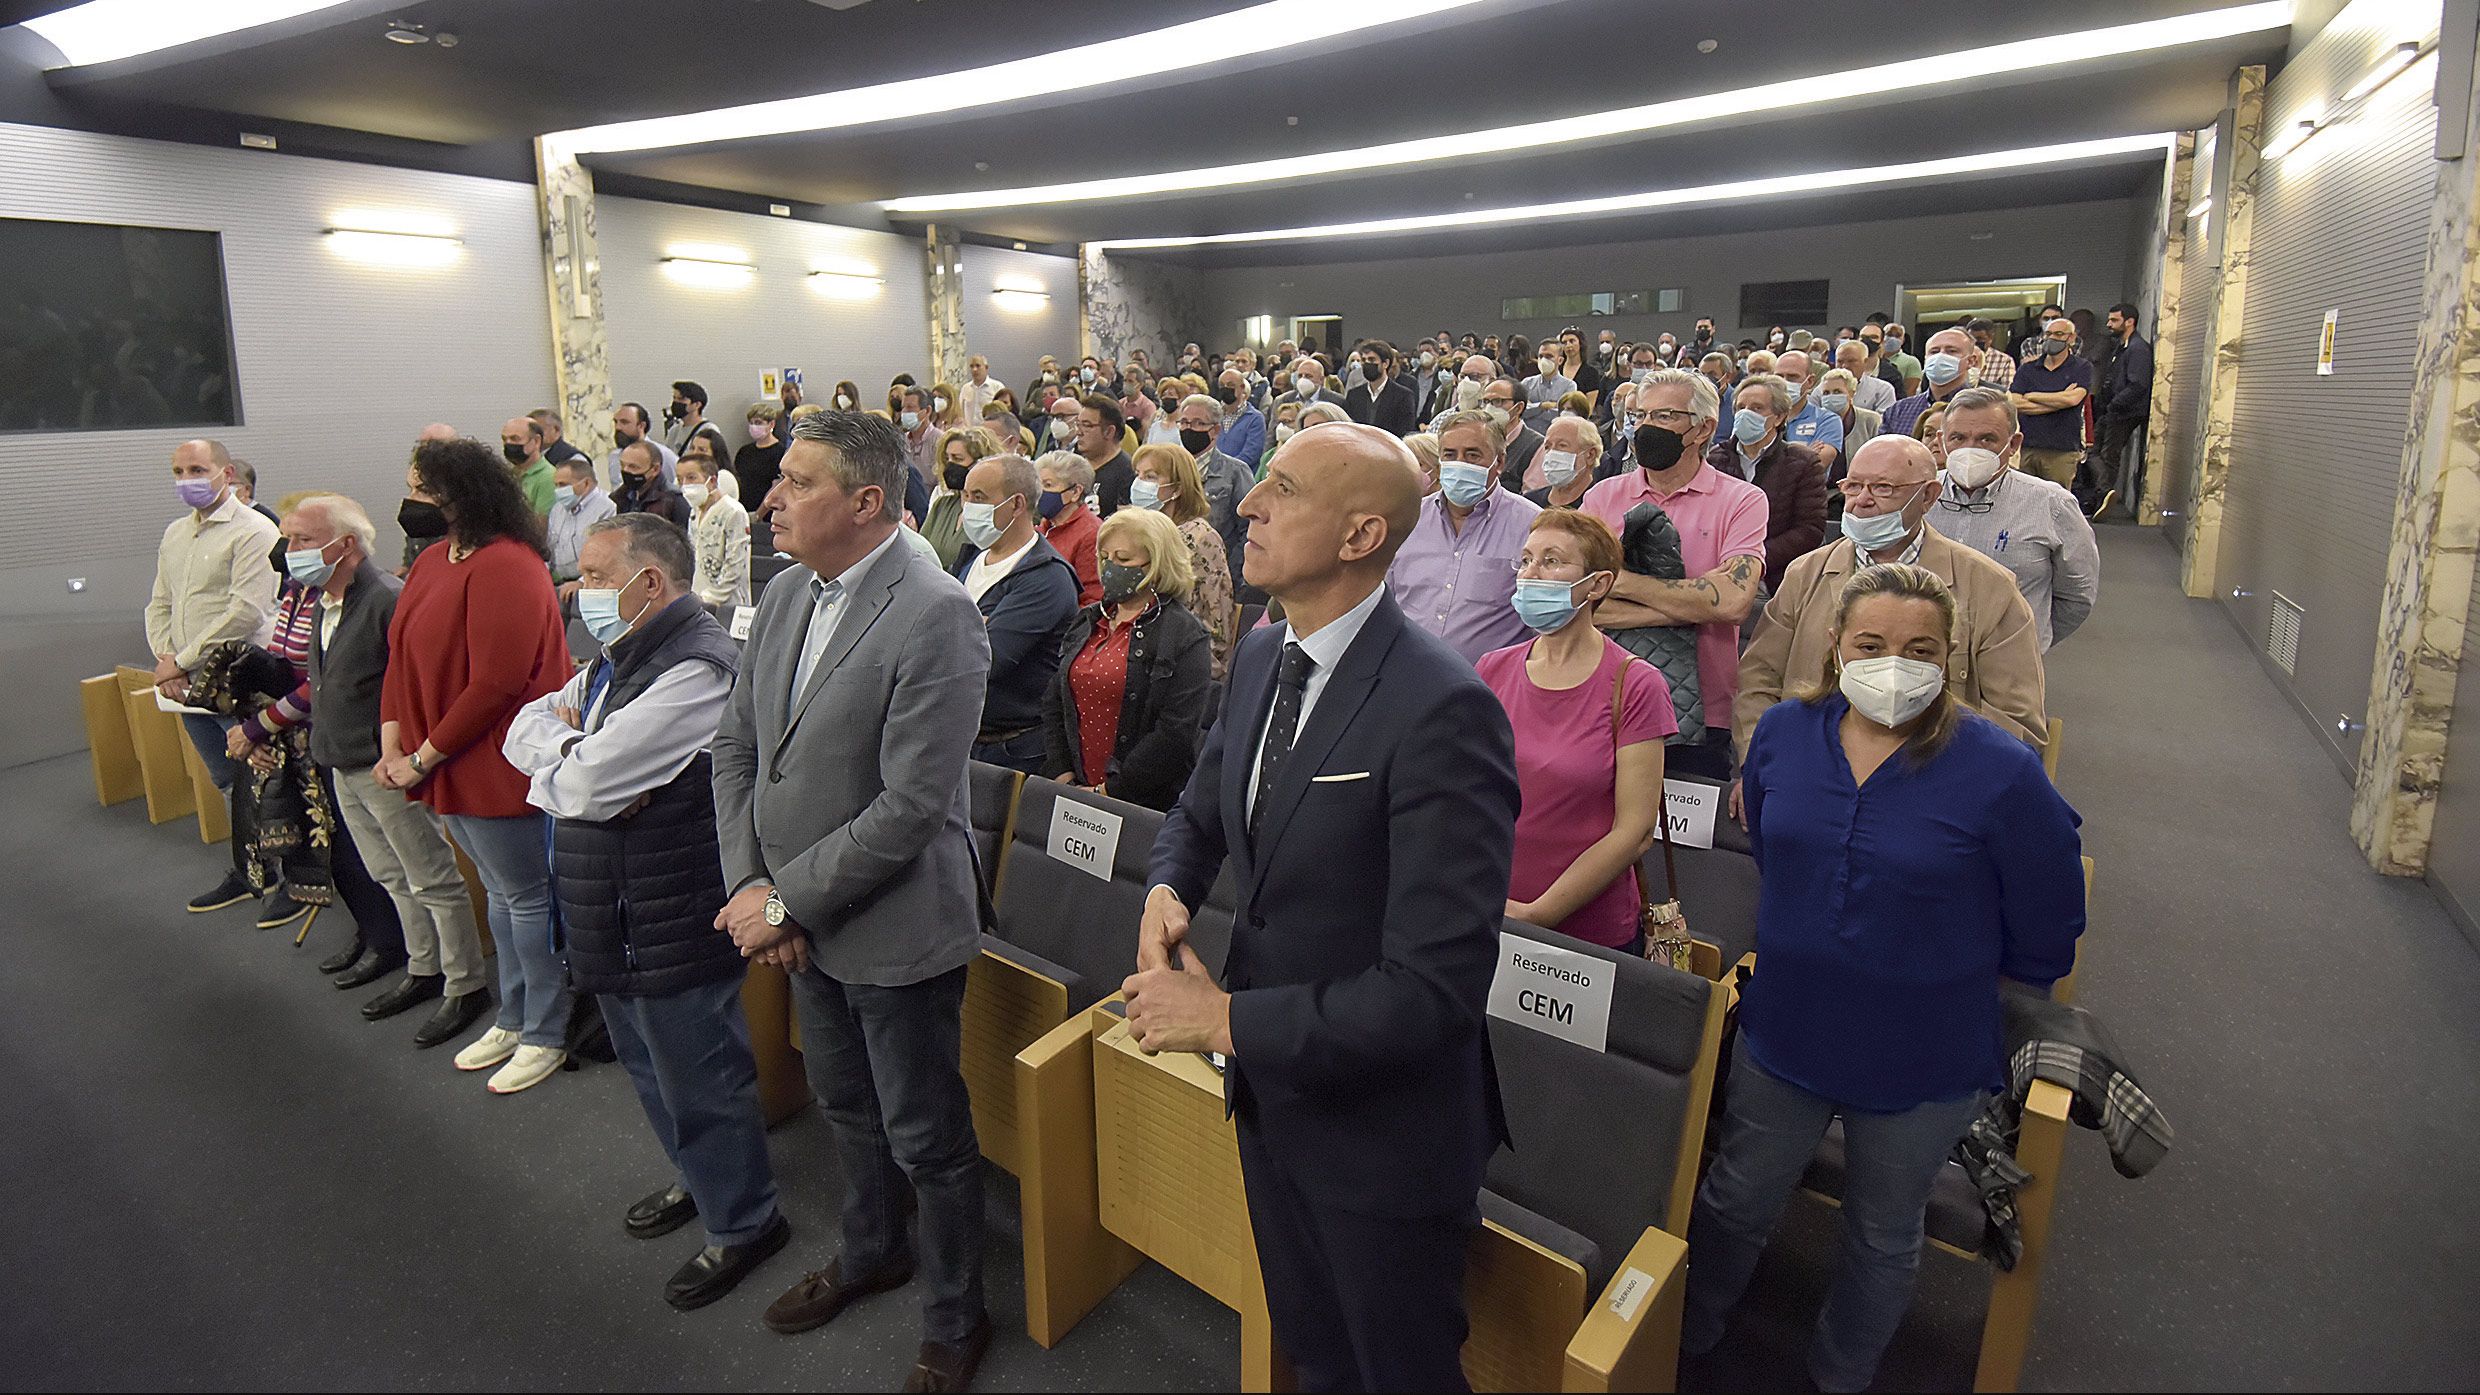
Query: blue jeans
[208, 734]
[1770, 1131]
[516, 881]
[688, 1055]
[885, 1065]
[1023, 752]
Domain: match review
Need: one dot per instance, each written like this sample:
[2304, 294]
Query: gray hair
[1320, 413]
[1775, 388]
[345, 516]
[651, 540]
[1983, 399]
[1199, 399]
[1068, 466]
[862, 451]
[1022, 478]
[1704, 401]
[1471, 417]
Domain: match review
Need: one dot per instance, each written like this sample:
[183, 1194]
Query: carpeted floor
[226, 1179]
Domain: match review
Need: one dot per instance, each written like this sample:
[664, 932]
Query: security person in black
[619, 759]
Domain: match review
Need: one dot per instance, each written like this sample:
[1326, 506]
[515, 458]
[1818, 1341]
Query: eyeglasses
[1880, 491]
[1668, 416]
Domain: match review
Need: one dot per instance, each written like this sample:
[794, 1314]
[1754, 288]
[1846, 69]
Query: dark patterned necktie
[1291, 684]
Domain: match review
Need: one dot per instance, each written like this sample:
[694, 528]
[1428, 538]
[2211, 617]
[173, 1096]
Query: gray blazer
[855, 804]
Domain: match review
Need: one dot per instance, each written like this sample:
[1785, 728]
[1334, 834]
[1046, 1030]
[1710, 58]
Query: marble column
[2429, 565]
[943, 268]
[1134, 304]
[2237, 210]
[572, 275]
[2165, 327]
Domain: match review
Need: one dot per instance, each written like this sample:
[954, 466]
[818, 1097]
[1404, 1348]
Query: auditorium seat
[993, 791]
[1717, 885]
[1594, 1194]
[1066, 939]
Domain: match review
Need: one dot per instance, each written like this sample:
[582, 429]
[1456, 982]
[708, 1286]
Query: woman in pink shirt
[1591, 793]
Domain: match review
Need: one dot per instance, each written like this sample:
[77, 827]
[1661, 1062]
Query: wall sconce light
[1023, 299]
[711, 269]
[378, 248]
[846, 285]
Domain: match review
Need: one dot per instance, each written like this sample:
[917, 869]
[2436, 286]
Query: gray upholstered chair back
[992, 789]
[1064, 915]
[1717, 885]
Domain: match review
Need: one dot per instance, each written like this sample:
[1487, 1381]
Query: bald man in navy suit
[1362, 783]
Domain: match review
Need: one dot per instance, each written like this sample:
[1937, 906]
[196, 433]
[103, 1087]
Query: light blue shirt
[826, 609]
[567, 528]
[1812, 425]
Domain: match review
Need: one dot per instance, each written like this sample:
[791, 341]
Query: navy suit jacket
[1369, 914]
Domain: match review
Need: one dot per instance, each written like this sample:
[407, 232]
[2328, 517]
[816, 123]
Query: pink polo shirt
[1719, 518]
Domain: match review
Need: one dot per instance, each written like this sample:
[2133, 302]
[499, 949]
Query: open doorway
[2007, 304]
[1326, 330]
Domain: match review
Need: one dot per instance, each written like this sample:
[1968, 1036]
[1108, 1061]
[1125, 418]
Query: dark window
[106, 328]
[1782, 303]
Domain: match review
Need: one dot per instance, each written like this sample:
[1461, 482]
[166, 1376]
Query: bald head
[1363, 470]
[1792, 368]
[1336, 503]
[210, 454]
[436, 431]
[1897, 459]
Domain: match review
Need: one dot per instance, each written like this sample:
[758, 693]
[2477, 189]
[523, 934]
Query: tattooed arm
[1725, 594]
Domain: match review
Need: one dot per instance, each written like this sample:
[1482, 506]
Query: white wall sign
[1555, 991]
[741, 616]
[2325, 344]
[1085, 837]
[1691, 809]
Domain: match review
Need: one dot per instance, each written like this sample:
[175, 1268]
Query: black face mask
[673, 413]
[954, 475]
[275, 558]
[1226, 395]
[630, 484]
[1704, 334]
[1658, 447]
[515, 454]
[1196, 441]
[421, 519]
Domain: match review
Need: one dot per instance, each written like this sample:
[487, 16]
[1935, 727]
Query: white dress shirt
[1326, 649]
[826, 609]
[596, 773]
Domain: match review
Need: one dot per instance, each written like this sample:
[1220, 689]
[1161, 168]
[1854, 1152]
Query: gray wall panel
[1011, 332]
[662, 328]
[2341, 224]
[2088, 243]
[339, 365]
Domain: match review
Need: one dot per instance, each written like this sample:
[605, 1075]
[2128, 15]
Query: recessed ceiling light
[981, 165]
[101, 31]
[407, 35]
[1269, 27]
[1733, 192]
[1708, 45]
[1762, 102]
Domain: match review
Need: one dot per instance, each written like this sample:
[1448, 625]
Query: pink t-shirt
[1719, 518]
[1567, 767]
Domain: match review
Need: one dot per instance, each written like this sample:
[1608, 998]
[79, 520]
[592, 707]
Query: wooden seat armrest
[1629, 1339]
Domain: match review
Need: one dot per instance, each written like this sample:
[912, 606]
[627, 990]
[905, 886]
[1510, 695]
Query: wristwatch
[776, 915]
[415, 760]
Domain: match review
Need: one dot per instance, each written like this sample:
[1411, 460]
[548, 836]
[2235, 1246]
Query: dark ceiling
[522, 67]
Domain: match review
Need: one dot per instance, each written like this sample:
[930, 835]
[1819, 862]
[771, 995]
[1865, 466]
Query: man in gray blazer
[840, 804]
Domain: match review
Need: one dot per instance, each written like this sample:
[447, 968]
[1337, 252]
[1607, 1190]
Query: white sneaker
[488, 1050]
[531, 1066]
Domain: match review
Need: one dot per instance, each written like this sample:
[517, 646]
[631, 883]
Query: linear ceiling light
[1265, 28]
[101, 31]
[379, 248]
[1733, 192]
[1773, 98]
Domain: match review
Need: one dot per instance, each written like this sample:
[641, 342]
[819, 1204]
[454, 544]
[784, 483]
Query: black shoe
[716, 1270]
[280, 909]
[231, 891]
[368, 968]
[342, 959]
[660, 1214]
[414, 991]
[451, 1018]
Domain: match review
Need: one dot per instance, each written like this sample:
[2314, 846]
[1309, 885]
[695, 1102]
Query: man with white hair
[1869, 391]
[1569, 461]
[1308, 385]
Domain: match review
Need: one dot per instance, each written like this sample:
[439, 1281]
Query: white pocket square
[1338, 779]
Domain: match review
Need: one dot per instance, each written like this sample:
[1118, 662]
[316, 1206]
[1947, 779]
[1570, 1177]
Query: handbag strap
[1661, 811]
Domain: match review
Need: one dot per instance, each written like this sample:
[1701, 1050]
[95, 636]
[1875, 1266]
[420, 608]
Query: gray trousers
[402, 845]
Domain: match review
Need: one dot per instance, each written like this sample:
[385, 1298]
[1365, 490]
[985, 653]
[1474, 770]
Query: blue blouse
[1887, 912]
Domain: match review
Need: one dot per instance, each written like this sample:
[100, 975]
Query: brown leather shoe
[946, 1366]
[822, 1293]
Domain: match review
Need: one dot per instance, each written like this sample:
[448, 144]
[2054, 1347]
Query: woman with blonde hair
[1123, 714]
[943, 526]
[1913, 861]
[1424, 446]
[946, 408]
[1169, 482]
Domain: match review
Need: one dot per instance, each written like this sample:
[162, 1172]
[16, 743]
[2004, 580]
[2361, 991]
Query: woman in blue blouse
[1913, 855]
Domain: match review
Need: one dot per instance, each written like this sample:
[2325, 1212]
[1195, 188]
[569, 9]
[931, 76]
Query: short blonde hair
[979, 444]
[1424, 444]
[1168, 572]
[1850, 383]
[1189, 497]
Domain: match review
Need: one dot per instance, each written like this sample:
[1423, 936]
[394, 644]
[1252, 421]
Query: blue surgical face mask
[599, 608]
[1463, 483]
[1797, 391]
[1544, 604]
[1748, 426]
[1145, 494]
[311, 567]
[1879, 531]
[1834, 402]
[911, 420]
[981, 524]
[1942, 368]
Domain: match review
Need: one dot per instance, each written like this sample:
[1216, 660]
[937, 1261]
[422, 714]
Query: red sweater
[471, 643]
[1077, 535]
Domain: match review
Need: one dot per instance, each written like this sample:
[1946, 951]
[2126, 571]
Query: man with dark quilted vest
[619, 758]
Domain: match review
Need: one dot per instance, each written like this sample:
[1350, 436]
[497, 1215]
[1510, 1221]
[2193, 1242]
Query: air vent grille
[2282, 632]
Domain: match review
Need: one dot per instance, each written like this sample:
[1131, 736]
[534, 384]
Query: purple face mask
[197, 493]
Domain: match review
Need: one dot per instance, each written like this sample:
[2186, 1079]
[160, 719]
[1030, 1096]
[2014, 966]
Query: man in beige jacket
[1996, 662]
